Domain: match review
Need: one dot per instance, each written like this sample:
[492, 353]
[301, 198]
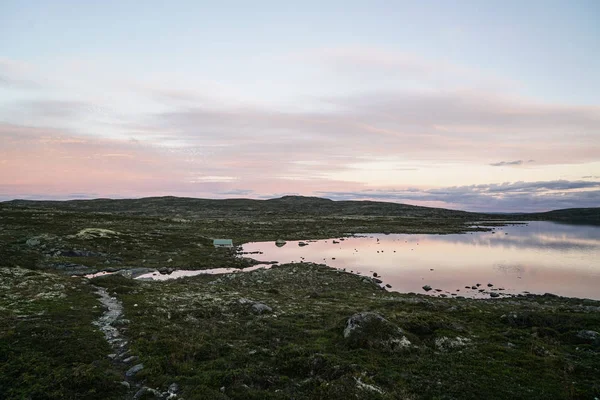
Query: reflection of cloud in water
[536, 235]
[540, 257]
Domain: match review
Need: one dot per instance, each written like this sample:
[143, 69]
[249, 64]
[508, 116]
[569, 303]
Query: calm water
[539, 257]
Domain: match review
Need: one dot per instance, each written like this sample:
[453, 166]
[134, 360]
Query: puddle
[156, 276]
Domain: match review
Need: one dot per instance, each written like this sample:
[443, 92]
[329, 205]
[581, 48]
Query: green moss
[48, 346]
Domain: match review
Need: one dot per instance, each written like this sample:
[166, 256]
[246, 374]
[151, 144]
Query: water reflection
[538, 257]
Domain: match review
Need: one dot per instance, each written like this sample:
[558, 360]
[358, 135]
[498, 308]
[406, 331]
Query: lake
[537, 257]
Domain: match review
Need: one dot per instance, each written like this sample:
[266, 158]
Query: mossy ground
[194, 331]
[49, 348]
[197, 333]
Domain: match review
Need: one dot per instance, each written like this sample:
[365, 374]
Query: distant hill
[288, 206]
[589, 216]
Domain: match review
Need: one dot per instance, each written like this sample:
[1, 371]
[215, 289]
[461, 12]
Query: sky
[472, 105]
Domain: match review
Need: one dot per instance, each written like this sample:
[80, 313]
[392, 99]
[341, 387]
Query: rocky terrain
[301, 331]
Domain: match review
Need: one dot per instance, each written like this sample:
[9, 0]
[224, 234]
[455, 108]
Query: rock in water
[427, 288]
[280, 243]
[371, 330]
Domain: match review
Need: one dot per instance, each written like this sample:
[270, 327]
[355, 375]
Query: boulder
[32, 242]
[173, 388]
[280, 243]
[145, 392]
[134, 370]
[260, 308]
[588, 335]
[427, 288]
[445, 343]
[371, 330]
[255, 306]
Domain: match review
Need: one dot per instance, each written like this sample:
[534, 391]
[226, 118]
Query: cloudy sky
[475, 105]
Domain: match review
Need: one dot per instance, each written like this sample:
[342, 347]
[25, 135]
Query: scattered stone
[134, 370]
[302, 244]
[173, 388]
[375, 274]
[490, 285]
[427, 288]
[388, 286]
[126, 384]
[365, 386]
[130, 359]
[280, 243]
[145, 391]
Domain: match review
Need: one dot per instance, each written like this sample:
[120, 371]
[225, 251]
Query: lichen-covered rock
[445, 343]
[94, 233]
[371, 330]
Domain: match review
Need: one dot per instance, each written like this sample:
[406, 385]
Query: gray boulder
[134, 370]
[588, 335]
[260, 308]
[32, 242]
[371, 330]
[256, 306]
[145, 392]
[173, 388]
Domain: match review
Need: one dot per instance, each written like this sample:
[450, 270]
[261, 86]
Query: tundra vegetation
[302, 331]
